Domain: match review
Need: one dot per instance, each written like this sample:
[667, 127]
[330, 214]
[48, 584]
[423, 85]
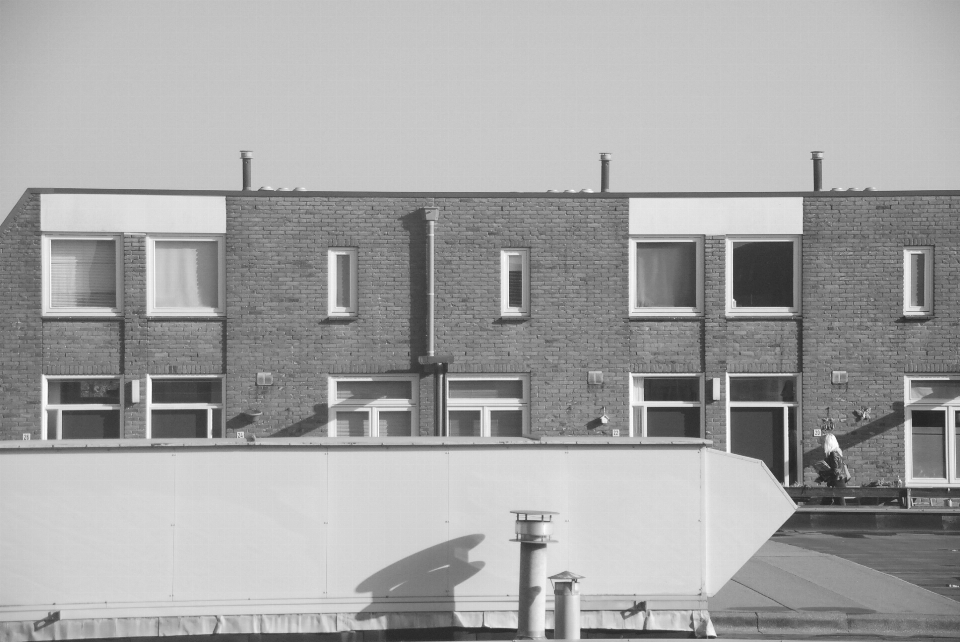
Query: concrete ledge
[819, 623]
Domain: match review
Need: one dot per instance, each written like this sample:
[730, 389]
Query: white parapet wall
[346, 534]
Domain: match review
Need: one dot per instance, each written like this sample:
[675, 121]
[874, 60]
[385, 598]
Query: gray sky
[478, 95]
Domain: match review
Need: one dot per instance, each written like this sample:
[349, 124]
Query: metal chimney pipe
[605, 172]
[247, 157]
[534, 529]
[817, 170]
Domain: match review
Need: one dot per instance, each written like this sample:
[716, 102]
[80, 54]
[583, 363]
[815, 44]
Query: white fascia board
[133, 213]
[717, 216]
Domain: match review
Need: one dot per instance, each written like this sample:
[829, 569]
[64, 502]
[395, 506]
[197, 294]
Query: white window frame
[485, 406]
[637, 400]
[734, 311]
[153, 310]
[523, 310]
[373, 406]
[333, 309]
[950, 408]
[46, 272]
[210, 407]
[927, 308]
[636, 311]
[59, 408]
[785, 405]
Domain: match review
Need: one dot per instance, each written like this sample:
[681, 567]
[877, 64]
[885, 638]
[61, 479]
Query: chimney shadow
[432, 572]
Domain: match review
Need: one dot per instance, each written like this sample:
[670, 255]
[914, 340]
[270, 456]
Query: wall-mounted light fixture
[604, 419]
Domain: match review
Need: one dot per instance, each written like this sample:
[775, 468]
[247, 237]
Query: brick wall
[853, 319]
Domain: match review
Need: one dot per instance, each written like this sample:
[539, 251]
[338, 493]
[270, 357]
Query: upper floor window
[515, 282]
[184, 407]
[487, 405]
[379, 406]
[82, 275]
[185, 276]
[763, 276]
[342, 281]
[666, 276]
[81, 408]
[666, 405]
[918, 281]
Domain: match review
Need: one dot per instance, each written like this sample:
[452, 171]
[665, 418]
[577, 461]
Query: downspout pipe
[432, 215]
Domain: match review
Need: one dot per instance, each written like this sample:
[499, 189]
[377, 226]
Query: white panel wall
[717, 216]
[133, 213]
[137, 531]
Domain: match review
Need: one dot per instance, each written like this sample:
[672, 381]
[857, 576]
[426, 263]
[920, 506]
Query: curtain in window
[186, 274]
[917, 285]
[515, 281]
[343, 281]
[666, 275]
[83, 273]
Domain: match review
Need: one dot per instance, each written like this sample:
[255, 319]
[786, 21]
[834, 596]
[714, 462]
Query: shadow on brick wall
[416, 226]
[860, 434]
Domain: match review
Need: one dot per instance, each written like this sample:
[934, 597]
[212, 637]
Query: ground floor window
[184, 407]
[81, 408]
[372, 406]
[488, 405]
[932, 429]
[666, 405]
[762, 422]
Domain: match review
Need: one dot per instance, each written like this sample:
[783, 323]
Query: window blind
[186, 274]
[83, 273]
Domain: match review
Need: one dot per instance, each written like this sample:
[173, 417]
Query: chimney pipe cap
[245, 154]
[605, 156]
[267, 188]
[816, 155]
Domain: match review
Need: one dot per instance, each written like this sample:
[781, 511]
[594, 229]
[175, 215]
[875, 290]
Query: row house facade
[754, 320]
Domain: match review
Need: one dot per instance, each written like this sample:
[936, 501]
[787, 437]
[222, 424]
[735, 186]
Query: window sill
[513, 319]
[185, 317]
[339, 319]
[914, 318]
[82, 317]
[665, 317]
[763, 317]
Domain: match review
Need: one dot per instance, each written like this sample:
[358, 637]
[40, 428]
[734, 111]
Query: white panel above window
[717, 216]
[133, 213]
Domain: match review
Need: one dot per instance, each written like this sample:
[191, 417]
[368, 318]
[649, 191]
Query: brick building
[751, 319]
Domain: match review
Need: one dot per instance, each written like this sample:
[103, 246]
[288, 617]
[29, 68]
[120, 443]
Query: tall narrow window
[667, 406]
[342, 281]
[380, 406]
[763, 276]
[515, 282]
[81, 408]
[184, 407]
[185, 276]
[82, 276]
[487, 406]
[918, 281]
[763, 422]
[666, 276]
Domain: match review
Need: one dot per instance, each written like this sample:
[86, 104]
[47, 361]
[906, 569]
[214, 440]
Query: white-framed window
[763, 276]
[932, 429]
[342, 281]
[515, 282]
[762, 421]
[666, 405]
[82, 407]
[917, 281]
[488, 405]
[184, 406]
[185, 276]
[82, 275]
[666, 276]
[372, 406]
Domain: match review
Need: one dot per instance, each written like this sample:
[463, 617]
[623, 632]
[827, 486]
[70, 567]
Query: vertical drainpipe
[247, 160]
[605, 172]
[432, 215]
[817, 170]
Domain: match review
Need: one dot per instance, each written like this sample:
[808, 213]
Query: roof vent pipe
[605, 172]
[247, 159]
[817, 170]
